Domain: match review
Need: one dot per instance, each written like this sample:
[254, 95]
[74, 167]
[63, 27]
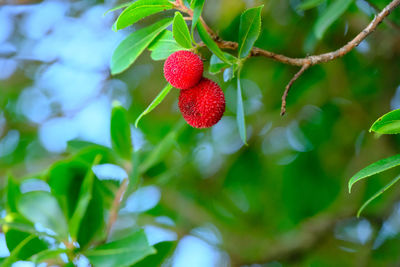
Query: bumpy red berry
[203, 105]
[183, 69]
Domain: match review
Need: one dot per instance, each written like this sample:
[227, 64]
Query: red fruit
[183, 69]
[203, 105]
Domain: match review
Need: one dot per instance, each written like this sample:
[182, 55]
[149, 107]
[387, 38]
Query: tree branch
[115, 205]
[322, 58]
[287, 89]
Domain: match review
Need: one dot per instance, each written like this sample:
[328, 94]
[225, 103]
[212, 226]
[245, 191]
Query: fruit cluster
[201, 101]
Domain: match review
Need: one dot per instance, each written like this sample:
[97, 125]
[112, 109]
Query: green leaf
[92, 226]
[181, 31]
[377, 194]
[129, 49]
[164, 249]
[123, 252]
[123, 5]
[240, 112]
[308, 4]
[42, 207]
[162, 148]
[85, 196]
[13, 255]
[216, 65]
[16, 229]
[249, 30]
[13, 193]
[208, 41]
[388, 123]
[48, 255]
[163, 46]
[159, 98]
[374, 168]
[330, 15]
[120, 131]
[141, 9]
[197, 7]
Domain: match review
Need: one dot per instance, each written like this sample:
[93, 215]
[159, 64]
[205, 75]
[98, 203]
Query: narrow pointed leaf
[377, 194]
[181, 31]
[240, 112]
[85, 195]
[120, 131]
[374, 168]
[130, 49]
[197, 7]
[206, 38]
[159, 98]
[330, 15]
[163, 46]
[249, 30]
[123, 5]
[388, 123]
[13, 193]
[141, 9]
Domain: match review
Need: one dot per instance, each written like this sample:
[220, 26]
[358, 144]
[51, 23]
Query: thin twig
[115, 206]
[287, 89]
[322, 58]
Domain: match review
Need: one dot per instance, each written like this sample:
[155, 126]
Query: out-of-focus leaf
[308, 4]
[85, 196]
[47, 255]
[123, 5]
[330, 15]
[67, 189]
[377, 194]
[123, 252]
[162, 148]
[164, 249]
[120, 131]
[197, 7]
[42, 207]
[13, 192]
[229, 74]
[181, 31]
[240, 112]
[159, 98]
[129, 49]
[141, 9]
[249, 30]
[163, 46]
[92, 226]
[13, 255]
[208, 41]
[374, 168]
[16, 229]
[216, 64]
[388, 123]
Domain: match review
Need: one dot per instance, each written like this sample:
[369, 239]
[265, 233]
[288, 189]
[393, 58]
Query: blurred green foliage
[282, 199]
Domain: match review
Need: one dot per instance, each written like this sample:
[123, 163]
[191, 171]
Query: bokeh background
[280, 201]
